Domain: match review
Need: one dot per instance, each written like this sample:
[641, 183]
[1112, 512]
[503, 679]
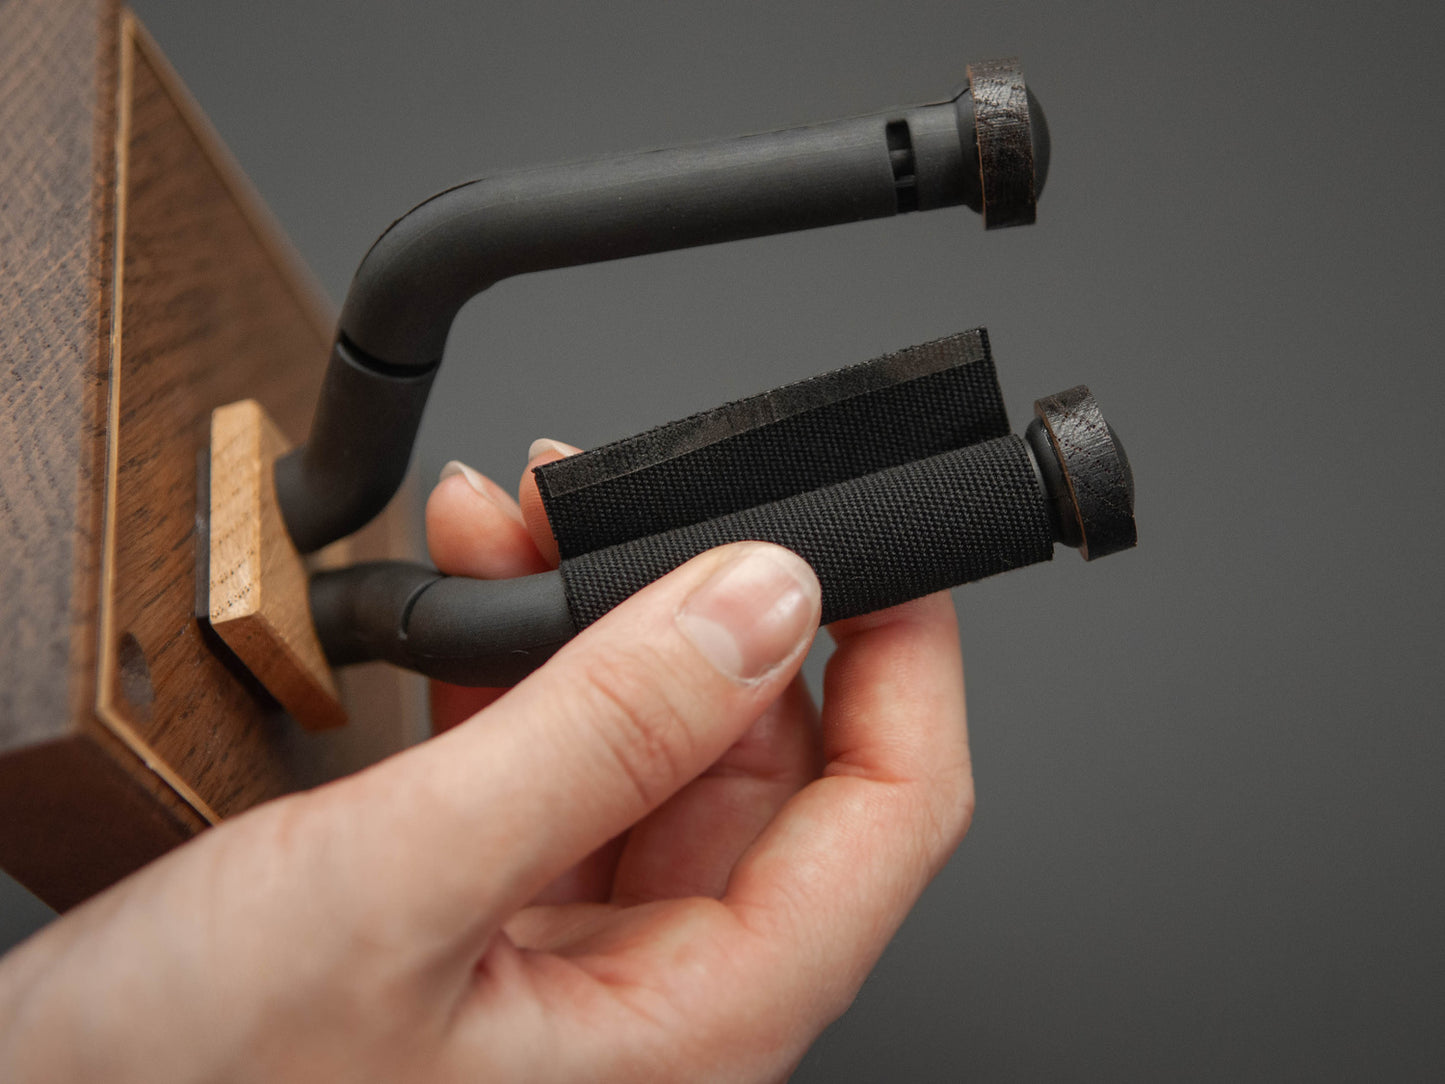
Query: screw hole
[135, 675]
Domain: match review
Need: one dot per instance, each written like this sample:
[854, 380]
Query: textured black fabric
[874, 541]
[840, 425]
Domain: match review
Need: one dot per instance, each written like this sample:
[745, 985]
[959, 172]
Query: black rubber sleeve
[875, 541]
[360, 446]
[852, 421]
[469, 632]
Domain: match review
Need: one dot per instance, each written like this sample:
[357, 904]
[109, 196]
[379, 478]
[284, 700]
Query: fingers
[835, 873]
[467, 827]
[689, 846]
[530, 498]
[474, 528]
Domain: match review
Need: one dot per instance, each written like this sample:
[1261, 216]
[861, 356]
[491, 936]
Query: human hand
[650, 860]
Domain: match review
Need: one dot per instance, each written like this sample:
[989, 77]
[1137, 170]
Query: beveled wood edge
[106, 710]
[133, 37]
[258, 601]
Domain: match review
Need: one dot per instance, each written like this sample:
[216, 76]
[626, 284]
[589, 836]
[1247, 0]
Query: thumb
[476, 821]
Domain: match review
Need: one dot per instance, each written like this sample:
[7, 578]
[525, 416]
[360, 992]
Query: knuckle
[958, 817]
[949, 811]
[951, 786]
[638, 725]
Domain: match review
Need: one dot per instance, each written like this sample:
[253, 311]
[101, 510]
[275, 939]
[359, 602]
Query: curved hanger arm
[987, 148]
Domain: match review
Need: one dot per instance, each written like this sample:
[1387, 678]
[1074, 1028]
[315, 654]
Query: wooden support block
[258, 596]
[143, 285]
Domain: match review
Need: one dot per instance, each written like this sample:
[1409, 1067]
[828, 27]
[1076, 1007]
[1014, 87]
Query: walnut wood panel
[141, 285]
[77, 809]
[57, 122]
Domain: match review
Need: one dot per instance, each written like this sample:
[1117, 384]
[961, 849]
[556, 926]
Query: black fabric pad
[854, 421]
[874, 541]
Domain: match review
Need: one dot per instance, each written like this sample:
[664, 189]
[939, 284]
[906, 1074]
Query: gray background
[1208, 843]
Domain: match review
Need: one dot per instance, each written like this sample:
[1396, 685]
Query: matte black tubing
[453, 628]
[429, 263]
[489, 632]
[358, 451]
[495, 632]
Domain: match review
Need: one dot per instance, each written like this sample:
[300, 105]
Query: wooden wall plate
[257, 584]
[145, 285]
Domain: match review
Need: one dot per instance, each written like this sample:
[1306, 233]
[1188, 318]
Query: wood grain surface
[142, 285]
[257, 584]
[57, 125]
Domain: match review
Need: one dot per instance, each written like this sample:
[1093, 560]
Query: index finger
[474, 528]
[836, 872]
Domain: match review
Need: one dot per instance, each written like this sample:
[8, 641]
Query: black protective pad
[894, 409]
[1004, 126]
[874, 541]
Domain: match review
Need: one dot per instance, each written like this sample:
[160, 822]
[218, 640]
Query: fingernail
[752, 614]
[544, 445]
[483, 486]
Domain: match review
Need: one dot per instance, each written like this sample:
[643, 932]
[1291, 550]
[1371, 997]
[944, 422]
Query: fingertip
[482, 486]
[754, 613]
[545, 449]
[474, 528]
[642, 701]
[529, 497]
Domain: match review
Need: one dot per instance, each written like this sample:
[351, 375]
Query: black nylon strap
[874, 541]
[818, 432]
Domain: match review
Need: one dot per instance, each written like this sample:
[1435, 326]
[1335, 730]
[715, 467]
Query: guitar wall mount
[893, 479]
[986, 147]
